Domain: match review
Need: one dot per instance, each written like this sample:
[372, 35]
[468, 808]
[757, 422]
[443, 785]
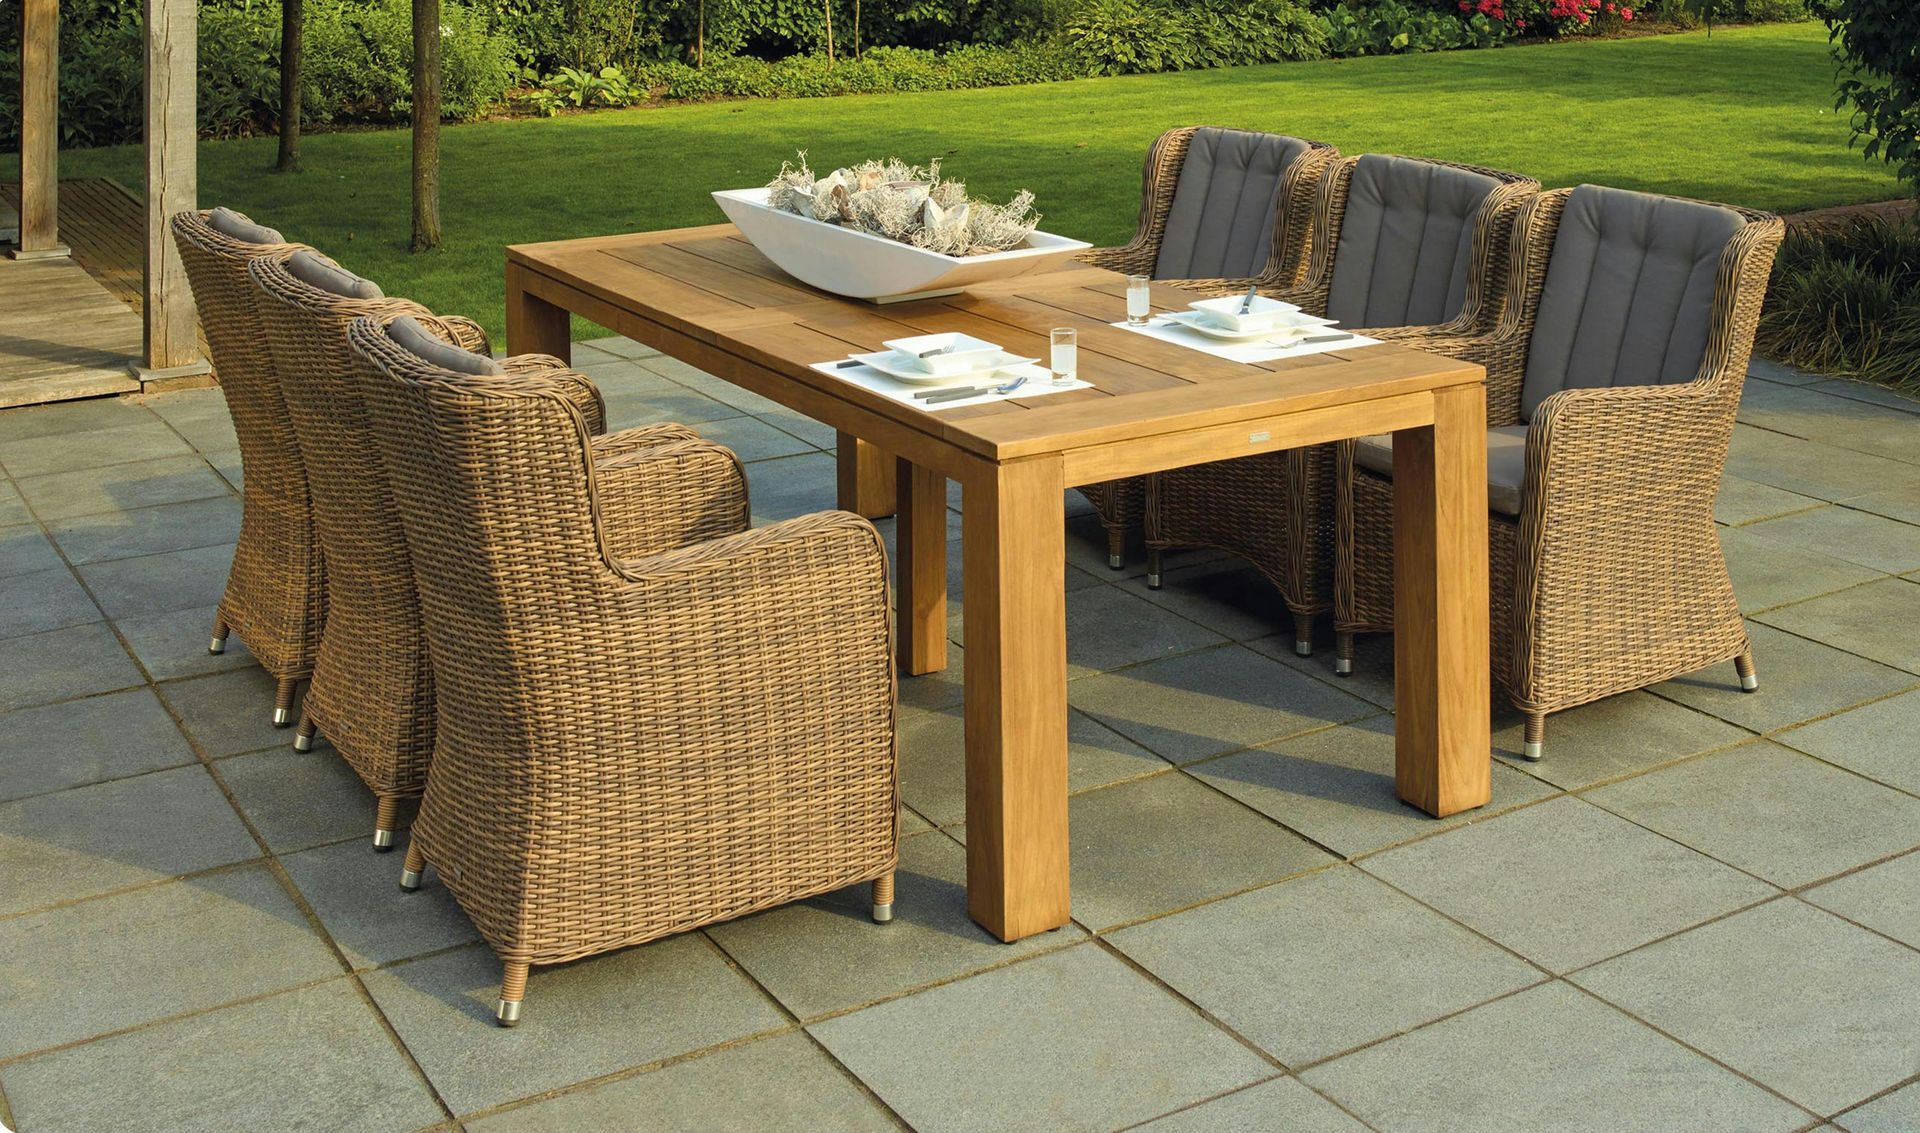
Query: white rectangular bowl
[861, 265]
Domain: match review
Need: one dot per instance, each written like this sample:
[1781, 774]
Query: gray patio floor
[1702, 912]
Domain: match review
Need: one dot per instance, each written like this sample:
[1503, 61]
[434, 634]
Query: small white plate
[906, 368]
[1263, 313]
[1298, 327]
[959, 354]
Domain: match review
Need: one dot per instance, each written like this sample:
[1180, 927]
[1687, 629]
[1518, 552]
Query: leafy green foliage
[1124, 37]
[1391, 27]
[1877, 44]
[1846, 300]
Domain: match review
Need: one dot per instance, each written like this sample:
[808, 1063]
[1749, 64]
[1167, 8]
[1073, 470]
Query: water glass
[1065, 355]
[1139, 300]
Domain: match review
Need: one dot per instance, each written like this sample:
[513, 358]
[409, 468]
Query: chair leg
[283, 701]
[219, 643]
[1533, 745]
[303, 736]
[416, 864]
[383, 823]
[1343, 653]
[1153, 568]
[1303, 634]
[1116, 548]
[513, 991]
[1749, 680]
[883, 899]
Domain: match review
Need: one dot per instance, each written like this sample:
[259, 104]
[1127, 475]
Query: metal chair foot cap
[1303, 647]
[1115, 562]
[382, 841]
[303, 743]
[282, 717]
[1750, 683]
[217, 646]
[883, 913]
[1343, 666]
[1533, 750]
[1153, 580]
[409, 880]
[507, 1013]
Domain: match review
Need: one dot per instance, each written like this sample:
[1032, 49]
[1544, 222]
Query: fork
[936, 397]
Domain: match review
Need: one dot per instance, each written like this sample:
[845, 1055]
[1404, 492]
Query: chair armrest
[657, 497]
[639, 438]
[576, 386]
[460, 331]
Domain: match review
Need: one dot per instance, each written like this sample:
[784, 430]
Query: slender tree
[291, 47]
[827, 7]
[700, 38]
[426, 125]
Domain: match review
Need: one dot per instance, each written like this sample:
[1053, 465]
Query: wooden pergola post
[38, 237]
[172, 346]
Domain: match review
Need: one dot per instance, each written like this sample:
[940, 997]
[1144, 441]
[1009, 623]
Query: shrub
[1120, 37]
[1387, 27]
[1775, 11]
[1846, 300]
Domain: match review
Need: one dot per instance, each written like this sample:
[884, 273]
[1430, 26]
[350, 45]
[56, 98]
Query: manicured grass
[1744, 117]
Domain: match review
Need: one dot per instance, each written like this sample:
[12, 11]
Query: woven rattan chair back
[276, 593]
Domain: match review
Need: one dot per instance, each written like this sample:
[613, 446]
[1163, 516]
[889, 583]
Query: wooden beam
[39, 234]
[172, 186]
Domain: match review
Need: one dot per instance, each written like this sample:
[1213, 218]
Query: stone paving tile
[1225, 595]
[154, 584]
[101, 965]
[200, 415]
[1337, 788]
[1799, 681]
[44, 600]
[356, 894]
[302, 799]
[1747, 501]
[1874, 541]
[227, 463]
[1902, 504]
[1372, 676]
[1885, 898]
[230, 712]
[314, 1058]
[1809, 411]
[784, 1082]
[1771, 811]
[174, 644]
[91, 448]
[1875, 621]
[1892, 438]
[56, 746]
[806, 428]
[1074, 1040]
[1810, 468]
[669, 403]
[620, 345]
[1770, 371]
[1160, 844]
[582, 1020]
[1484, 1070]
[933, 756]
[1609, 738]
[1877, 740]
[1323, 964]
[71, 417]
[1824, 1012]
[718, 389]
[1276, 1104]
[1108, 628]
[1767, 572]
[143, 483]
[13, 509]
[1898, 1112]
[24, 550]
[1564, 883]
[88, 840]
[148, 531]
[790, 486]
[1867, 391]
[63, 663]
[1201, 704]
[826, 954]
[753, 439]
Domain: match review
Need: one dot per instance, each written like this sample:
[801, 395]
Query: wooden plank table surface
[705, 296]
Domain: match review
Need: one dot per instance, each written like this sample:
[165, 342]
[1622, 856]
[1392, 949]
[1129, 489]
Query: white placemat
[1241, 352]
[1039, 383]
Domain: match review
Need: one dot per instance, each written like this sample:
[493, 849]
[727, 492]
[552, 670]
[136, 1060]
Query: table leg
[865, 477]
[920, 590]
[1013, 531]
[1441, 699]
[535, 326]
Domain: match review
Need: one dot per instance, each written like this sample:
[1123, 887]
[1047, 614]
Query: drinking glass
[1065, 355]
[1139, 300]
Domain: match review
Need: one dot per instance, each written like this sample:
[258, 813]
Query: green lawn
[1744, 117]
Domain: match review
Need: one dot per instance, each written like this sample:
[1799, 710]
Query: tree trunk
[700, 38]
[827, 7]
[426, 125]
[856, 29]
[291, 48]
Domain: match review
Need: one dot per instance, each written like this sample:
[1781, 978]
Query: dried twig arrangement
[908, 203]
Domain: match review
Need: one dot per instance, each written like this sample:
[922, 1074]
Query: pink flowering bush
[1552, 17]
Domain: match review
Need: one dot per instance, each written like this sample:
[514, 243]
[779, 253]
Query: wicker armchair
[1219, 210]
[1611, 390]
[651, 718]
[1407, 247]
[372, 688]
[276, 590]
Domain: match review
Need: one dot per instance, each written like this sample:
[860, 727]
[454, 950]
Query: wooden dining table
[707, 297]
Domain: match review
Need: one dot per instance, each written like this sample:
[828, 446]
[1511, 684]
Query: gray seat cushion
[1406, 242]
[230, 223]
[417, 339]
[317, 271]
[1629, 293]
[1506, 464]
[1224, 204]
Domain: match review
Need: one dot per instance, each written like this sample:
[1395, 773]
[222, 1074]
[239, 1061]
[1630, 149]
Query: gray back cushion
[1224, 204]
[318, 271]
[1629, 293]
[230, 223]
[1406, 242]
[423, 344]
